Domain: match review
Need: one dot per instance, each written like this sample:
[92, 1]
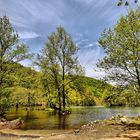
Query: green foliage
[88, 97]
[92, 93]
[26, 86]
[42, 91]
[59, 63]
[84, 90]
[114, 97]
[4, 101]
[132, 98]
[10, 51]
[122, 96]
[122, 47]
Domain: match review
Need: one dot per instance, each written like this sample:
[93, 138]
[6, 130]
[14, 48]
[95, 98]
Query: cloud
[91, 45]
[28, 35]
[34, 20]
[89, 54]
[96, 74]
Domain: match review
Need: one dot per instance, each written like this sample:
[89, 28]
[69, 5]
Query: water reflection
[62, 121]
[40, 119]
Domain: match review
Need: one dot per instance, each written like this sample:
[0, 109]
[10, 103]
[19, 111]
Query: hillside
[27, 89]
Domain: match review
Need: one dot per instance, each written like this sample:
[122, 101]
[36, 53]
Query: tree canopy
[59, 60]
[122, 48]
[10, 51]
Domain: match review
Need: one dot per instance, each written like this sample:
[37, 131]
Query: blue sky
[83, 19]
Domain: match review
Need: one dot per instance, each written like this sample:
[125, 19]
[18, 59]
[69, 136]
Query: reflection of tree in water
[62, 121]
[27, 114]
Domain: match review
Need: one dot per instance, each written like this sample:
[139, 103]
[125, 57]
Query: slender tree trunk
[138, 76]
[59, 96]
[29, 99]
[138, 83]
[1, 70]
[63, 90]
[17, 105]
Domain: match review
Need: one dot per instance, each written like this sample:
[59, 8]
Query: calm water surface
[41, 119]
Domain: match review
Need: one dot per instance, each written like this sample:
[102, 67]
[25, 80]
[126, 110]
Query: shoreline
[118, 127]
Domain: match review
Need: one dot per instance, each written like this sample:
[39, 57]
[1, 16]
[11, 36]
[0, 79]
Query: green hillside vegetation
[27, 90]
[27, 84]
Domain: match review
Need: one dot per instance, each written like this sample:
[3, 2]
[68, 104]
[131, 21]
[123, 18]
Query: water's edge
[49, 120]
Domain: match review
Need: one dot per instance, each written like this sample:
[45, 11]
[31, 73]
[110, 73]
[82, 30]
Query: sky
[85, 20]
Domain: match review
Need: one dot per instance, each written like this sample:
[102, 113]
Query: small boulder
[124, 120]
[2, 120]
[15, 124]
[77, 131]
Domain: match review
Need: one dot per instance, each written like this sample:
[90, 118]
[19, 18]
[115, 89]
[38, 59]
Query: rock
[97, 121]
[124, 120]
[117, 117]
[120, 120]
[2, 120]
[15, 124]
[77, 131]
[120, 116]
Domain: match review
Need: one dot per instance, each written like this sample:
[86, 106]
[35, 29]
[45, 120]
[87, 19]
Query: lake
[49, 120]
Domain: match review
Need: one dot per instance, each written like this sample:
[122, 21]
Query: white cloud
[28, 35]
[91, 45]
[90, 71]
[83, 19]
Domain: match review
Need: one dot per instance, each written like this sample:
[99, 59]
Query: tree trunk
[29, 99]
[63, 90]
[138, 78]
[59, 96]
[17, 105]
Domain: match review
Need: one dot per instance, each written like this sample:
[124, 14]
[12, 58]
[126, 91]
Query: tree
[48, 88]
[10, 51]
[28, 79]
[59, 60]
[126, 2]
[122, 48]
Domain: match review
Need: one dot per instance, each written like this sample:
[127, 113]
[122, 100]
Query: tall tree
[10, 51]
[59, 59]
[122, 48]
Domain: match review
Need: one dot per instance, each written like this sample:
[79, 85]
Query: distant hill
[26, 80]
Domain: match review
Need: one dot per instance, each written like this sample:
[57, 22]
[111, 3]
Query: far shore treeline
[60, 80]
